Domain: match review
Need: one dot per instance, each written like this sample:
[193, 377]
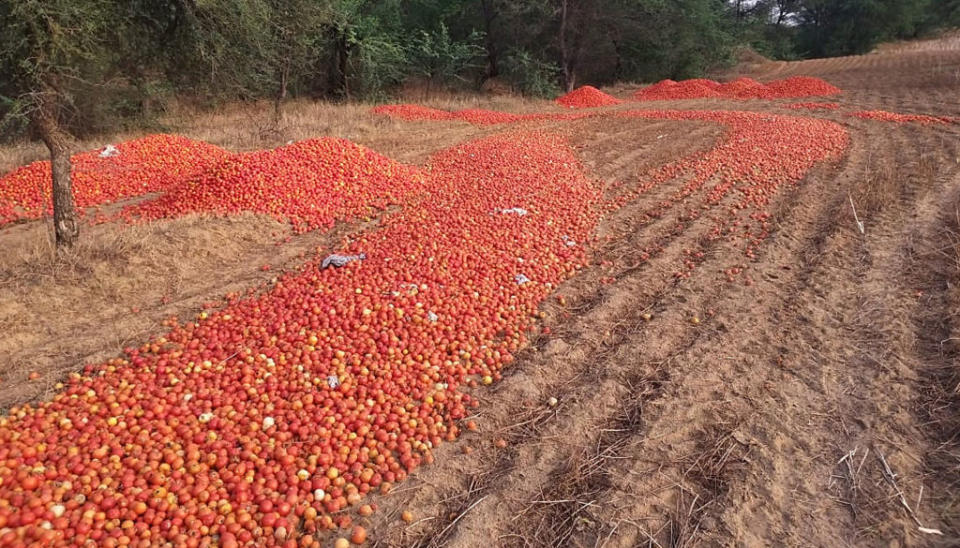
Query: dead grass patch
[118, 285]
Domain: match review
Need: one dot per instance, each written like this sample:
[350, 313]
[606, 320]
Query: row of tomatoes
[740, 88]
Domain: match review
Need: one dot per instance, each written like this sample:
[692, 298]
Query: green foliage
[441, 59]
[116, 62]
[381, 63]
[819, 28]
[530, 75]
[67, 47]
[676, 39]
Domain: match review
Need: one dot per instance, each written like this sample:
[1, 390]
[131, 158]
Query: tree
[51, 51]
[576, 17]
[489, 12]
[440, 58]
[365, 45]
[293, 25]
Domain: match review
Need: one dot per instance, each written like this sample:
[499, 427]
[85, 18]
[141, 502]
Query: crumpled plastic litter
[333, 381]
[513, 211]
[432, 317]
[568, 240]
[341, 260]
[109, 151]
[521, 279]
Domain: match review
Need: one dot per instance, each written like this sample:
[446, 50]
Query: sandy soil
[816, 406]
[780, 418]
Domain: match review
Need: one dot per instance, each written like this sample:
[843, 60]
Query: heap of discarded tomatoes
[758, 156]
[741, 88]
[270, 417]
[309, 183]
[475, 116]
[133, 168]
[587, 97]
[885, 116]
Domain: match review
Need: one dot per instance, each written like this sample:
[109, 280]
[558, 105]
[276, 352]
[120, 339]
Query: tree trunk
[339, 80]
[281, 93]
[565, 60]
[492, 69]
[65, 223]
[618, 67]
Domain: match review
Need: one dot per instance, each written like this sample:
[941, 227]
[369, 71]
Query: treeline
[104, 61]
[85, 66]
[793, 29]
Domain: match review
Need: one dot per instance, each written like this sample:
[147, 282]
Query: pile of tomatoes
[309, 183]
[885, 116]
[741, 88]
[587, 97]
[137, 167]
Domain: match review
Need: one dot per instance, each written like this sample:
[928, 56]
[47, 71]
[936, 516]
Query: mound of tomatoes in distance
[885, 116]
[802, 86]
[741, 88]
[587, 97]
[412, 112]
[669, 89]
[309, 183]
[137, 167]
[475, 116]
[265, 420]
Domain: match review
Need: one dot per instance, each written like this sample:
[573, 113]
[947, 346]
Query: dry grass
[250, 126]
[944, 41]
[117, 286]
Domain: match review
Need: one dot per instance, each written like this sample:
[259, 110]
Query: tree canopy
[147, 50]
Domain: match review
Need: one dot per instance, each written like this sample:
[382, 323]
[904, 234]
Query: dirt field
[815, 406]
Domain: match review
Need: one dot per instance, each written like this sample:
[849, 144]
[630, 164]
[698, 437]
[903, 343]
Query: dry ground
[816, 407]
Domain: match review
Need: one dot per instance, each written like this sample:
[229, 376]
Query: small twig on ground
[892, 480]
[853, 476]
[859, 223]
[454, 522]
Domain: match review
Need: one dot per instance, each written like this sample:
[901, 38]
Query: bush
[531, 76]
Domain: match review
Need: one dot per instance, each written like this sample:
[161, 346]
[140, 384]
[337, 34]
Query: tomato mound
[587, 97]
[885, 116]
[475, 116]
[668, 89]
[412, 112]
[141, 166]
[310, 183]
[741, 88]
[802, 86]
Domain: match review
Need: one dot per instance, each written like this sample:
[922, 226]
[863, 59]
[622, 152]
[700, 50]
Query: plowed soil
[815, 405]
[793, 414]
